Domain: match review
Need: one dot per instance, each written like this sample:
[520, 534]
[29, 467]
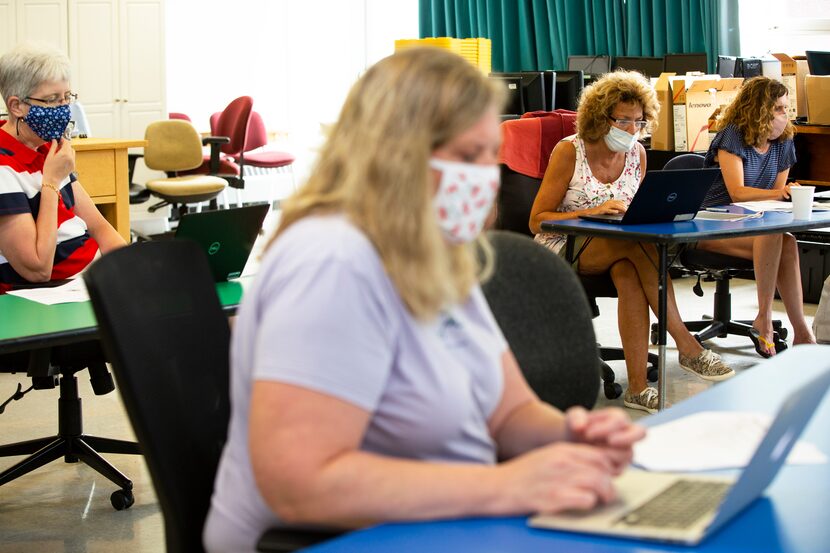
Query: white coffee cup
[802, 197]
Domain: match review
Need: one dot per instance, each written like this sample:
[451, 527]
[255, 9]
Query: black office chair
[176, 389]
[515, 201]
[531, 293]
[718, 268]
[51, 367]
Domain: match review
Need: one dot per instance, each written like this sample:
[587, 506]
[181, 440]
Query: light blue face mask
[619, 140]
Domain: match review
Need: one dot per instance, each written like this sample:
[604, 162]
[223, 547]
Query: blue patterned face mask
[48, 123]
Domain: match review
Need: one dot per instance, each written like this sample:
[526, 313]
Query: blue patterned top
[760, 170]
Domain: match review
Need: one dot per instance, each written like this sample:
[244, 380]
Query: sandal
[758, 339]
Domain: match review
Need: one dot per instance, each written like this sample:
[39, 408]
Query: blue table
[662, 235]
[793, 516]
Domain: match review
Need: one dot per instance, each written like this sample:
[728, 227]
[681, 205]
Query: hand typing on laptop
[609, 429]
[610, 207]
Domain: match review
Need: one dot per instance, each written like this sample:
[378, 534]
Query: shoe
[707, 365]
[644, 401]
[762, 345]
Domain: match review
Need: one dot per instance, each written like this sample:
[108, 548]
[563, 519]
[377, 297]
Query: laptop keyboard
[678, 506]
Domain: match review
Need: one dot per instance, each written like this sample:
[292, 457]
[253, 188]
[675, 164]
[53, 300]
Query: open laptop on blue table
[665, 197]
[685, 508]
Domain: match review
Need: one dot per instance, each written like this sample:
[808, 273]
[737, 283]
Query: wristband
[53, 187]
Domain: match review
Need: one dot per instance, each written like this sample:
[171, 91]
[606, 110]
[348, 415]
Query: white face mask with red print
[465, 195]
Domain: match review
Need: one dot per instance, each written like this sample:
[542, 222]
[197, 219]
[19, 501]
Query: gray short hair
[27, 66]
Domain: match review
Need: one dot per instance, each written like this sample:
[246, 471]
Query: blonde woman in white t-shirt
[598, 171]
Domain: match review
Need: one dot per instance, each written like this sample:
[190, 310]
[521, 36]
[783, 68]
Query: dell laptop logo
[213, 248]
[671, 197]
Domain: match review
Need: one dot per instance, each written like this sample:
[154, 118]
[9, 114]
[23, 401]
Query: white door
[93, 49]
[43, 21]
[142, 65]
[8, 35]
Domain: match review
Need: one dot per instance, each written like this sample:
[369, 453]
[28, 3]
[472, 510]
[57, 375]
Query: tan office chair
[174, 146]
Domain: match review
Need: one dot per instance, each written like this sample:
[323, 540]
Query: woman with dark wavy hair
[754, 150]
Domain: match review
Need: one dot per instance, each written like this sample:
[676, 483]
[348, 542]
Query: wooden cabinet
[812, 147]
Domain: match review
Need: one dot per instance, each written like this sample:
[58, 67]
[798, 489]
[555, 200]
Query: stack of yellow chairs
[475, 50]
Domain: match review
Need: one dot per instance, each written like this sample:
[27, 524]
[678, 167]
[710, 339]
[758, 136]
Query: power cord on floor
[18, 395]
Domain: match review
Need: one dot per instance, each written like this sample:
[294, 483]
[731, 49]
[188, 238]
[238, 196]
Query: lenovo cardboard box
[662, 135]
[703, 98]
[678, 91]
[789, 68]
[817, 90]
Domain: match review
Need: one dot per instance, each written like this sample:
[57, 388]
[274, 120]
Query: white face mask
[619, 140]
[465, 195]
[779, 124]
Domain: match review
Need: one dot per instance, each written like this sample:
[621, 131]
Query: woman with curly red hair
[598, 170]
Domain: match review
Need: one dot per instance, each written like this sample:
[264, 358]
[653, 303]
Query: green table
[26, 325]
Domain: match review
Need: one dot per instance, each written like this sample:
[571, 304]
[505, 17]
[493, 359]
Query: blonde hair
[752, 111]
[374, 168]
[27, 66]
[599, 99]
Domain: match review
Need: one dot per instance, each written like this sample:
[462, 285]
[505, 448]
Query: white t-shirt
[323, 314]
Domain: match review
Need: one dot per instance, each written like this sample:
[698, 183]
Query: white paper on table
[777, 205]
[71, 292]
[704, 215]
[712, 440]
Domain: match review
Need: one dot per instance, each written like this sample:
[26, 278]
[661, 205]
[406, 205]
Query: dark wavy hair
[752, 111]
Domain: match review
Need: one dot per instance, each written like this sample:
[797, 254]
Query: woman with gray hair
[49, 227]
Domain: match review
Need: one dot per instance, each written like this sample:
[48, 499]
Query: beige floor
[65, 507]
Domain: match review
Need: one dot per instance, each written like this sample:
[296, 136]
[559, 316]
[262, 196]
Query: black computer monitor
[514, 104]
[650, 67]
[590, 65]
[569, 86]
[726, 66]
[818, 62]
[531, 87]
[684, 63]
[550, 89]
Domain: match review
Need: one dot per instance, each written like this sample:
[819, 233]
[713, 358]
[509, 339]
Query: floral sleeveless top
[585, 191]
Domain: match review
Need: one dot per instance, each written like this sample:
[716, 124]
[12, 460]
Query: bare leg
[789, 286]
[601, 254]
[633, 322]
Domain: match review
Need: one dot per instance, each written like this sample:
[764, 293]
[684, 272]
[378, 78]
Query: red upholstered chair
[177, 115]
[526, 146]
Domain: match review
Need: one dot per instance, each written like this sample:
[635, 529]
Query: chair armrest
[283, 540]
[215, 143]
[131, 159]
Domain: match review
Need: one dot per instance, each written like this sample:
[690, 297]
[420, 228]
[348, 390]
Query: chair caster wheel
[652, 374]
[612, 390]
[653, 337]
[122, 499]
[783, 333]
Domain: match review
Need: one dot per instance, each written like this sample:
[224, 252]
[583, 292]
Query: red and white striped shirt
[21, 177]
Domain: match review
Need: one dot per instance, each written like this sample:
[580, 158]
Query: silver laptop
[683, 508]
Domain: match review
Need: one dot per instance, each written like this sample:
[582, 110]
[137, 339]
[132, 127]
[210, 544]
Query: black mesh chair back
[543, 311]
[164, 331]
[684, 161]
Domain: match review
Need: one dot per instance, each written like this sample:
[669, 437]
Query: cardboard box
[678, 90]
[662, 135]
[789, 68]
[703, 98]
[801, 72]
[817, 91]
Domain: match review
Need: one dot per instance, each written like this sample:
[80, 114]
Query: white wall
[788, 26]
[296, 58]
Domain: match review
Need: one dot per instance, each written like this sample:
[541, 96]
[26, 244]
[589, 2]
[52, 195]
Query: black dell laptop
[226, 235]
[665, 197]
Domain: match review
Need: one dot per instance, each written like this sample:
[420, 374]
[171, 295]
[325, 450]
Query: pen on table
[717, 209]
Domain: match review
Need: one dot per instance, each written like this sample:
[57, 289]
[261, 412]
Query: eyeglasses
[625, 123]
[56, 100]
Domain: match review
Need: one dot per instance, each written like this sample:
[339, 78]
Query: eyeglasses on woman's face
[54, 100]
[627, 123]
